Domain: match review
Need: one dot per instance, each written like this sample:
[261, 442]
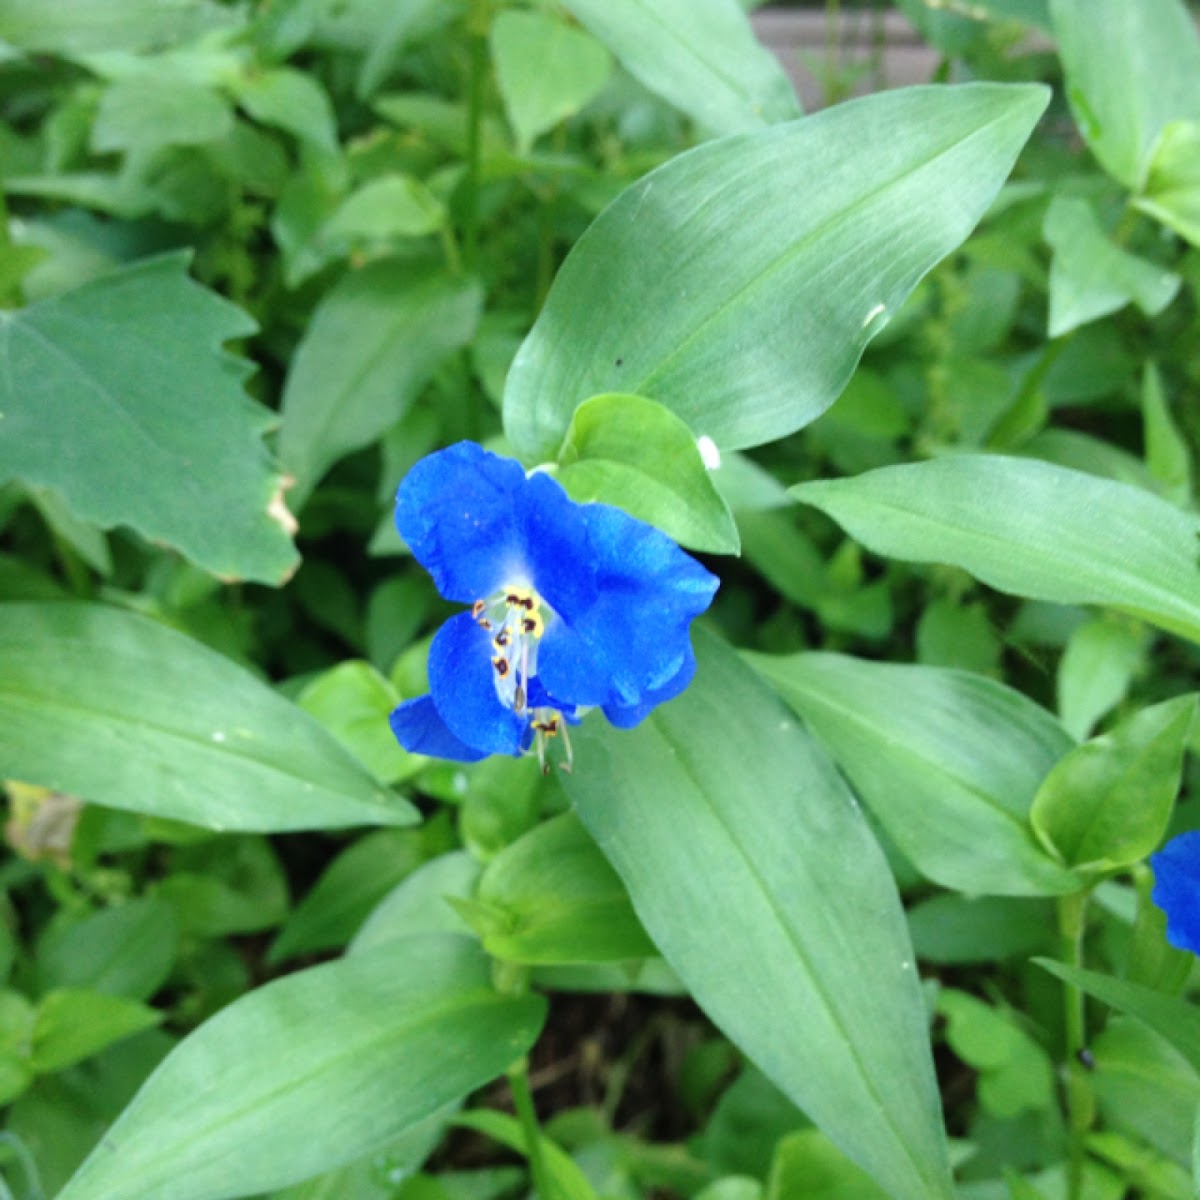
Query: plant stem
[1072, 920]
[477, 30]
[518, 1081]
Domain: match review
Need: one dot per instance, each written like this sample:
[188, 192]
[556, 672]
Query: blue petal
[419, 728]
[557, 546]
[461, 683]
[458, 510]
[1177, 889]
[627, 716]
[634, 639]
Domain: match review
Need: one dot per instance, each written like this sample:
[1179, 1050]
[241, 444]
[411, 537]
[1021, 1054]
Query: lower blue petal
[625, 716]
[419, 728]
[1177, 889]
[461, 683]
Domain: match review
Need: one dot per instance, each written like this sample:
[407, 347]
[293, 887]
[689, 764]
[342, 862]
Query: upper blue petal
[458, 511]
[627, 716]
[419, 728]
[461, 683]
[1177, 889]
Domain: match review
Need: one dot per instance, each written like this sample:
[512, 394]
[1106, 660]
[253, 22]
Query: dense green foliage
[865, 912]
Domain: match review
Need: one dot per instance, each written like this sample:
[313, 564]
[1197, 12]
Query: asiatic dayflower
[572, 606]
[1176, 891]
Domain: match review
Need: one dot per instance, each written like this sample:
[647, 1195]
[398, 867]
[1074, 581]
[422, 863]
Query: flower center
[516, 618]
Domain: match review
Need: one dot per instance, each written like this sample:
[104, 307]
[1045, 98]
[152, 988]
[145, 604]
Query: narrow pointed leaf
[948, 761]
[112, 707]
[119, 397]
[374, 1043]
[769, 260]
[1029, 528]
[754, 872]
[700, 55]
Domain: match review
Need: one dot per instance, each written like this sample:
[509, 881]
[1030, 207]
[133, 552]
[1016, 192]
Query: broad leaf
[1107, 803]
[86, 26]
[1091, 276]
[115, 708]
[699, 55]
[374, 342]
[629, 451]
[1132, 66]
[1172, 1017]
[1172, 191]
[72, 1024]
[1029, 528]
[119, 397]
[768, 260]
[758, 879]
[948, 761]
[555, 899]
[375, 1043]
[546, 71]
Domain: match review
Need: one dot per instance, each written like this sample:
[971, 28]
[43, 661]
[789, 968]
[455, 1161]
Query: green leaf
[1015, 1073]
[391, 206]
[565, 1176]
[375, 1043]
[1172, 191]
[1168, 458]
[699, 55]
[72, 1024]
[948, 761]
[1131, 67]
[145, 113]
[952, 930]
[1028, 528]
[546, 71]
[110, 706]
[1096, 669]
[227, 886]
[349, 888]
[558, 901]
[123, 951]
[1108, 802]
[768, 260]
[636, 454]
[290, 100]
[807, 1164]
[118, 396]
[758, 879]
[1173, 1018]
[374, 342]
[1091, 276]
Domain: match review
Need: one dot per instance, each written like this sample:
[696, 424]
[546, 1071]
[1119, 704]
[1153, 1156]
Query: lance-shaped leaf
[119, 397]
[768, 260]
[948, 761]
[373, 1044]
[700, 55]
[103, 704]
[374, 342]
[756, 875]
[1029, 528]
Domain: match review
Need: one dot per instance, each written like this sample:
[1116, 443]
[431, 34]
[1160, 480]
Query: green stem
[1072, 920]
[477, 30]
[518, 1081]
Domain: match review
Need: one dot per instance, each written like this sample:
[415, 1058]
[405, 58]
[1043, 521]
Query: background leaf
[631, 452]
[118, 397]
[115, 708]
[1107, 803]
[948, 761]
[376, 1043]
[699, 55]
[373, 343]
[780, 232]
[1029, 528]
[1131, 66]
[804, 961]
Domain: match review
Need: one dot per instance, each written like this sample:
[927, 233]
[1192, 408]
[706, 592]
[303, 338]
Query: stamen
[501, 665]
[501, 639]
[519, 698]
[477, 608]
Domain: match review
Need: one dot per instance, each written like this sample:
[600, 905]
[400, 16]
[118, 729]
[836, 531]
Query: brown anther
[519, 698]
[512, 599]
[484, 623]
[529, 624]
[502, 666]
[501, 639]
[477, 608]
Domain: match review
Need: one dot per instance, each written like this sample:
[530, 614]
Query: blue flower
[1177, 889]
[573, 606]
